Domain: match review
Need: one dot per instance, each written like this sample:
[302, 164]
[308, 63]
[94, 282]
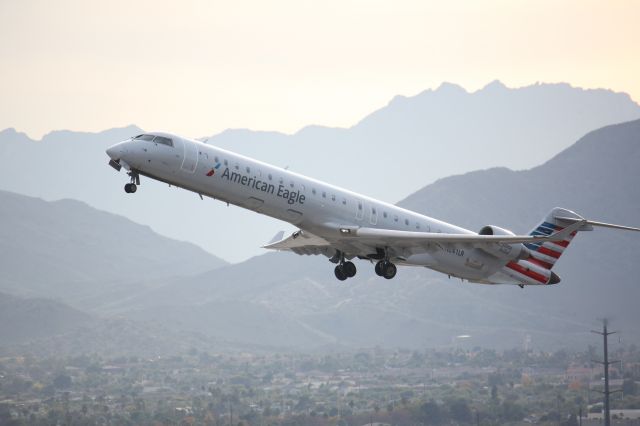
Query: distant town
[374, 386]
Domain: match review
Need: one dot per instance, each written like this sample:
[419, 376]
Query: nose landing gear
[131, 187]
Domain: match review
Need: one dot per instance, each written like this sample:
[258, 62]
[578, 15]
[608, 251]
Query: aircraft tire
[340, 274]
[379, 268]
[133, 188]
[349, 269]
[127, 188]
[389, 270]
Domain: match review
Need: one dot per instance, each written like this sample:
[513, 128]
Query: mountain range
[389, 154]
[284, 302]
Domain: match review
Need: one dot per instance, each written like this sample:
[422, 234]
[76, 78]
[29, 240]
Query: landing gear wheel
[389, 270]
[130, 188]
[349, 269]
[340, 273]
[379, 267]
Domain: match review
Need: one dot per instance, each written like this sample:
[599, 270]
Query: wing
[300, 242]
[363, 241]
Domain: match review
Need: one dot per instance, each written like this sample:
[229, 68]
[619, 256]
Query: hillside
[23, 320]
[49, 328]
[68, 250]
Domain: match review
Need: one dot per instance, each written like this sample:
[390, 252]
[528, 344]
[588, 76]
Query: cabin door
[190, 156]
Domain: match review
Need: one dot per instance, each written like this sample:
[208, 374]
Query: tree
[460, 411]
[512, 411]
[629, 387]
[571, 421]
[431, 413]
[494, 393]
[62, 381]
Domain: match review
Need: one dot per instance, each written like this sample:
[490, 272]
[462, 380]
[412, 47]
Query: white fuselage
[309, 204]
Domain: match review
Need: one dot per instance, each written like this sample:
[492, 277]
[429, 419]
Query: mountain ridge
[388, 154]
[281, 301]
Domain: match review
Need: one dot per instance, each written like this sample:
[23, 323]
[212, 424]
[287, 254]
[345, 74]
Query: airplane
[343, 225]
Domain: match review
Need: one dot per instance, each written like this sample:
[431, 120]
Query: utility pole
[605, 363]
[580, 414]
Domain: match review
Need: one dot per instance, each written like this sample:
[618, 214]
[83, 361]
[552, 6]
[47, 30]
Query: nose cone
[116, 151]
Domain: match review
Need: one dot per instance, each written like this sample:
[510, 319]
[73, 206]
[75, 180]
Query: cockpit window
[144, 137]
[163, 140]
[156, 139]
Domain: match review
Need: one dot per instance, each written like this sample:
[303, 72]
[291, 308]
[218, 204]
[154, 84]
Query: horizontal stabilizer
[601, 224]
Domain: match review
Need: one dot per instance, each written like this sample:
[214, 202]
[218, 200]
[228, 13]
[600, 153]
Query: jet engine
[502, 250]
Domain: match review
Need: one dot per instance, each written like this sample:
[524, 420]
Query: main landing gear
[131, 187]
[345, 270]
[386, 269]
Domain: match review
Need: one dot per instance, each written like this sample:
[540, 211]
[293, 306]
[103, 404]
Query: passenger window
[344, 201]
[324, 194]
[291, 184]
[406, 222]
[417, 226]
[216, 160]
[270, 177]
[373, 210]
[237, 166]
[226, 163]
[359, 206]
[313, 191]
[384, 214]
[333, 197]
[395, 218]
[248, 170]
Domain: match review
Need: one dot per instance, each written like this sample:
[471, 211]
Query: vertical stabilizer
[546, 254]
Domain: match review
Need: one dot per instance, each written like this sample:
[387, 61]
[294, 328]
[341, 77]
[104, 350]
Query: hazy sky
[199, 67]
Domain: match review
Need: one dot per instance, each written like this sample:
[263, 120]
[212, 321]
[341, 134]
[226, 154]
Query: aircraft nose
[115, 151]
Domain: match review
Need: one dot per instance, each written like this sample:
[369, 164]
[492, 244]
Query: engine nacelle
[503, 250]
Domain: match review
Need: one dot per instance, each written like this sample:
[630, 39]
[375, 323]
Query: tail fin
[546, 254]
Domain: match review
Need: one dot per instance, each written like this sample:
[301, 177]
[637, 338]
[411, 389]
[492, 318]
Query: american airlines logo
[281, 191]
[213, 170]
